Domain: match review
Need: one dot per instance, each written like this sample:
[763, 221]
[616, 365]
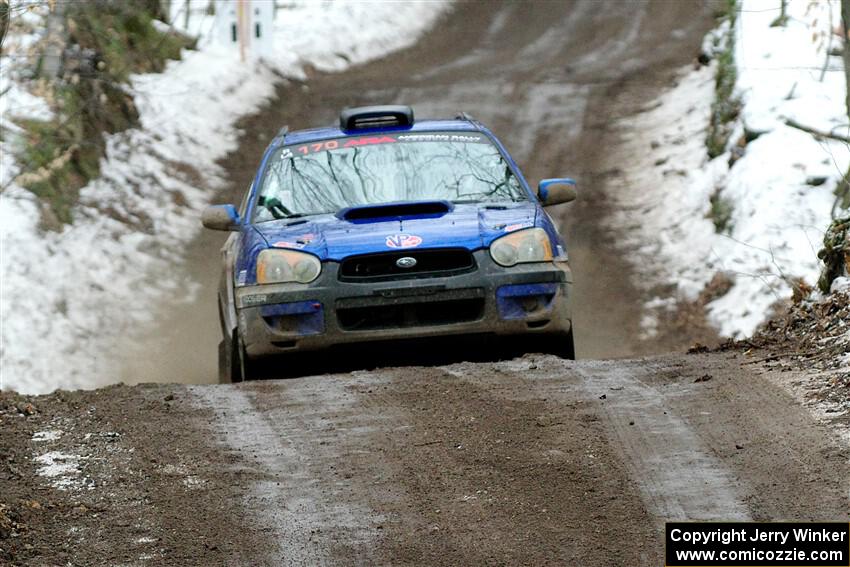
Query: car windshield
[326, 176]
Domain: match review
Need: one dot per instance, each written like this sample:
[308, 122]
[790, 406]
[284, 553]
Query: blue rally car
[385, 228]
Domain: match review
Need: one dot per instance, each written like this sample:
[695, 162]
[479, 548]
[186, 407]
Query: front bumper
[527, 298]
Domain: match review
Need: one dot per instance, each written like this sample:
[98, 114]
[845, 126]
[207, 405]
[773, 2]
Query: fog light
[529, 304]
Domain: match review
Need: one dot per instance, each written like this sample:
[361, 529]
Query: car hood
[465, 226]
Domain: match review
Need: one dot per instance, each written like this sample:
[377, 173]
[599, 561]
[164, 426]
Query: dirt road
[531, 461]
[535, 461]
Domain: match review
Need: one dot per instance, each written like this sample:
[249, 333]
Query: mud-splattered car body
[307, 267]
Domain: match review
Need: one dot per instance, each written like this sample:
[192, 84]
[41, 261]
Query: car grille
[411, 315]
[437, 262]
[410, 307]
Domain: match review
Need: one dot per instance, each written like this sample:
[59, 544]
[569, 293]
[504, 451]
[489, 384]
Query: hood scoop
[395, 211]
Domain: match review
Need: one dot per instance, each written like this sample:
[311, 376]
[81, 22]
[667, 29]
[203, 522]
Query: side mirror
[556, 191]
[220, 217]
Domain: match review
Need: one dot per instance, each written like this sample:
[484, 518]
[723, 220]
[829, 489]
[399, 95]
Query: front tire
[561, 345]
[569, 347]
[229, 360]
[247, 366]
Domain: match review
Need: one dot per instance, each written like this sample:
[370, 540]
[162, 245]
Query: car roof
[314, 134]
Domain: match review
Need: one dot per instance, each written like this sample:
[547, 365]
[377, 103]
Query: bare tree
[4, 21]
[842, 192]
[51, 61]
[845, 19]
[782, 19]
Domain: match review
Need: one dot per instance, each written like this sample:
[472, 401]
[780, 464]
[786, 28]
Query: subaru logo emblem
[406, 262]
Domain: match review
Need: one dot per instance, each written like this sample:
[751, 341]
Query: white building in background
[246, 25]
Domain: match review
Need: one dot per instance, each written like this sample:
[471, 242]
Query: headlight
[529, 245]
[280, 266]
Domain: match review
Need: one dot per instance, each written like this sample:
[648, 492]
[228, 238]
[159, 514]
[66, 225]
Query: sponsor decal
[354, 142]
[403, 240]
[357, 141]
[473, 138]
[254, 299]
[285, 244]
[327, 145]
[517, 226]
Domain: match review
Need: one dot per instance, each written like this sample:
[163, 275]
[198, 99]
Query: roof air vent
[366, 117]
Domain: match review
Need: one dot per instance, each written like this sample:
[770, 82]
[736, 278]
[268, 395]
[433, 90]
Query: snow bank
[66, 295]
[780, 192]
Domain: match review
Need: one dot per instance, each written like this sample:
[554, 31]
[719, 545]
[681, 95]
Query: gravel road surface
[532, 461]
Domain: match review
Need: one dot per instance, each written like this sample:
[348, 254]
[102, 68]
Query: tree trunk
[4, 21]
[55, 38]
[165, 8]
[842, 192]
[845, 21]
[155, 9]
[782, 19]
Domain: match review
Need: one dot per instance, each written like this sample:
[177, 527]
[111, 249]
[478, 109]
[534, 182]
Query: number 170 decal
[314, 147]
[317, 147]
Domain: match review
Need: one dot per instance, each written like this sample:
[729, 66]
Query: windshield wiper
[276, 208]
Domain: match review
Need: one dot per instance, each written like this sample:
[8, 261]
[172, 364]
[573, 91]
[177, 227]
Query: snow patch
[47, 435]
[56, 464]
[779, 193]
[188, 480]
[841, 284]
[62, 470]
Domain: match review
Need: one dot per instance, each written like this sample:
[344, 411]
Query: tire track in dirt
[308, 459]
[533, 461]
[418, 466]
[678, 475]
[508, 474]
[790, 467]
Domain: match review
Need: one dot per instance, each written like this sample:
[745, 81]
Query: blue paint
[545, 183]
[376, 215]
[511, 299]
[296, 308]
[301, 317]
[231, 211]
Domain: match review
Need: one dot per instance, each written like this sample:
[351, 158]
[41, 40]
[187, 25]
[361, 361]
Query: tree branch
[816, 132]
